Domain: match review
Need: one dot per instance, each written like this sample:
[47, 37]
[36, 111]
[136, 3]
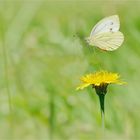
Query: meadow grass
[42, 56]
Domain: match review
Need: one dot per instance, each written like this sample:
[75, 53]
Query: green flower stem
[101, 92]
[102, 99]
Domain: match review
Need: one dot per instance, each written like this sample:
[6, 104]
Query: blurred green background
[42, 57]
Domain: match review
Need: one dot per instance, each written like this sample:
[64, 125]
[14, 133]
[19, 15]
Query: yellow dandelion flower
[99, 79]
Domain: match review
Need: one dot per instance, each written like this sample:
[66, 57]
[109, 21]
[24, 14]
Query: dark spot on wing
[111, 23]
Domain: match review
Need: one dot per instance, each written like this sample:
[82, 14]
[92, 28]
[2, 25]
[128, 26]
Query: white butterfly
[106, 35]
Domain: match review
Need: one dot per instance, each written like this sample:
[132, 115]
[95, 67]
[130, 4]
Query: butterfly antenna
[76, 40]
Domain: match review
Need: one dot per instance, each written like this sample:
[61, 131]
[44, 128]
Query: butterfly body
[106, 35]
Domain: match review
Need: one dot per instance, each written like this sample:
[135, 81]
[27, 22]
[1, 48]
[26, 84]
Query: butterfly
[106, 35]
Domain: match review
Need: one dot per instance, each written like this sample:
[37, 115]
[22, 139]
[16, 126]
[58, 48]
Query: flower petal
[99, 78]
[82, 86]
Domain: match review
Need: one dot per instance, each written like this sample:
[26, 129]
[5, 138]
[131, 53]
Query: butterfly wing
[108, 24]
[109, 41]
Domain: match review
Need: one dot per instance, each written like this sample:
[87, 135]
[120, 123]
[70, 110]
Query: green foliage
[42, 56]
